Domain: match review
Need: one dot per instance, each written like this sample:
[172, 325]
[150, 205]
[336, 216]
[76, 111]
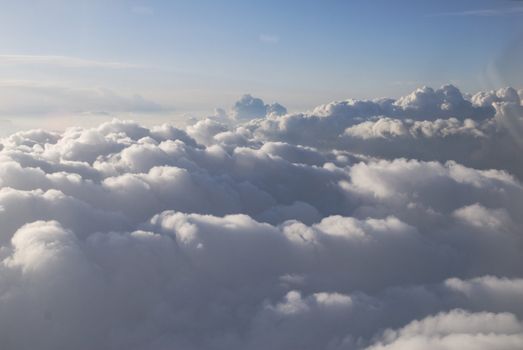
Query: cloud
[249, 107]
[30, 97]
[457, 329]
[359, 225]
[423, 104]
[429, 124]
[507, 11]
[63, 61]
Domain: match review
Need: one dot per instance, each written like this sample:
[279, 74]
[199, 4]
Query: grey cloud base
[347, 228]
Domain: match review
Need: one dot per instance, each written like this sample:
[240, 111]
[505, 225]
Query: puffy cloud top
[384, 224]
[422, 104]
[249, 107]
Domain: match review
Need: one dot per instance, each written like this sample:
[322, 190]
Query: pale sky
[170, 59]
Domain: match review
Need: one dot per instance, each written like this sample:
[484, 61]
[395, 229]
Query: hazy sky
[65, 58]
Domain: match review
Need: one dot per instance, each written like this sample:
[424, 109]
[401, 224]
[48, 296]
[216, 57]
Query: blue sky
[183, 57]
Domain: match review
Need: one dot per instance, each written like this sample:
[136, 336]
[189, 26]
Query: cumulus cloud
[249, 107]
[457, 329]
[359, 225]
[480, 131]
[423, 104]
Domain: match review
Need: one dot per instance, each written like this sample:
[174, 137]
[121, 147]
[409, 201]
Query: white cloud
[249, 107]
[427, 124]
[320, 230]
[457, 330]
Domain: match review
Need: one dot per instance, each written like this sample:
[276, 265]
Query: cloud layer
[383, 224]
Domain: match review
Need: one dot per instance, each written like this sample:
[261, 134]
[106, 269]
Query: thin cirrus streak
[362, 224]
[64, 61]
[515, 10]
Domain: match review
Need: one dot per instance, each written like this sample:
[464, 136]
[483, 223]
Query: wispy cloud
[64, 61]
[269, 38]
[26, 97]
[484, 12]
